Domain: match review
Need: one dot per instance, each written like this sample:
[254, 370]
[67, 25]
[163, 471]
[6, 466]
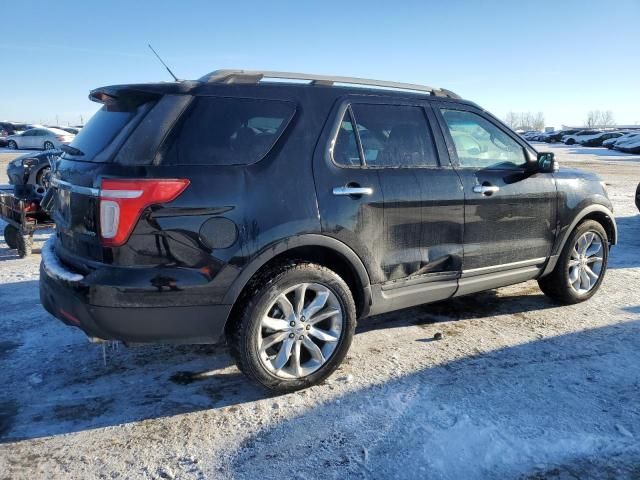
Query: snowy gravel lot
[517, 388]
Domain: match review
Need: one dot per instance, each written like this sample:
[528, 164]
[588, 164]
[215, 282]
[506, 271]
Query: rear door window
[345, 147]
[391, 136]
[228, 131]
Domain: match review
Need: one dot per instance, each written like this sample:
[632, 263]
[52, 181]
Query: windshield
[100, 131]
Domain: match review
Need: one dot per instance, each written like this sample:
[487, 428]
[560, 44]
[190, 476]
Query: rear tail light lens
[122, 202]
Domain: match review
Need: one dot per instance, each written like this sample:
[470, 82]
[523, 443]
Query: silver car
[39, 138]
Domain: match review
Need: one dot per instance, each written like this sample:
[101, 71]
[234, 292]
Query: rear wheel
[11, 144]
[581, 266]
[295, 328]
[11, 236]
[48, 145]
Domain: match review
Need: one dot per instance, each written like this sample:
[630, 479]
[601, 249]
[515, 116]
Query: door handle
[487, 190]
[341, 191]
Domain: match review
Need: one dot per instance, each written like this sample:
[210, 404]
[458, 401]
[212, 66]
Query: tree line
[535, 121]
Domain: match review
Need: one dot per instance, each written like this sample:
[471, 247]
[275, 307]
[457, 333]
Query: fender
[553, 260]
[283, 245]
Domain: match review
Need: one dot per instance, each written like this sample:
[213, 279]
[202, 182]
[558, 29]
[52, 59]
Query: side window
[227, 131]
[345, 147]
[394, 136]
[481, 144]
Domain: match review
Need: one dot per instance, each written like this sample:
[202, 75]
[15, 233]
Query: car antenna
[165, 65]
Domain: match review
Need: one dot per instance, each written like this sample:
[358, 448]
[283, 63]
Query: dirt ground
[517, 388]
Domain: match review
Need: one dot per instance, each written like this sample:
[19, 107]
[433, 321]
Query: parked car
[612, 141]
[531, 135]
[32, 169]
[557, 135]
[576, 137]
[628, 145]
[543, 137]
[39, 138]
[609, 143]
[10, 128]
[72, 130]
[596, 139]
[273, 215]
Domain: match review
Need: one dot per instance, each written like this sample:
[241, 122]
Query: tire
[25, 245]
[263, 296]
[48, 145]
[11, 236]
[12, 145]
[558, 284]
[42, 178]
[571, 141]
[638, 197]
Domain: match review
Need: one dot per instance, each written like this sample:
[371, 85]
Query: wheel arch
[599, 213]
[320, 249]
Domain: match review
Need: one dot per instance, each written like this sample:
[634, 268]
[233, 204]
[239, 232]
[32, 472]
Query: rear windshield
[227, 131]
[101, 130]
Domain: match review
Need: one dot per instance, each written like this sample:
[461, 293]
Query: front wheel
[295, 328]
[48, 145]
[12, 145]
[43, 178]
[581, 267]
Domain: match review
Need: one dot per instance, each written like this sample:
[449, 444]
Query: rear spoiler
[143, 91]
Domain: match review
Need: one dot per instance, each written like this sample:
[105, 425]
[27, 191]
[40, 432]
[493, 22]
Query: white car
[40, 138]
[576, 137]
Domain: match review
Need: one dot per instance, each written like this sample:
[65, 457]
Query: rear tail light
[122, 202]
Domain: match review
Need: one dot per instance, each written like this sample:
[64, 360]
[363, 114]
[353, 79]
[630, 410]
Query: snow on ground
[518, 387]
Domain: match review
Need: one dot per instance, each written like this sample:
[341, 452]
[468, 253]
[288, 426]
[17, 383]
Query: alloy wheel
[300, 330]
[585, 263]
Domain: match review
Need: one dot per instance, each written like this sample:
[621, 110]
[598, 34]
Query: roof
[255, 77]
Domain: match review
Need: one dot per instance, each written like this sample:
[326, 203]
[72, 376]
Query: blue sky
[561, 58]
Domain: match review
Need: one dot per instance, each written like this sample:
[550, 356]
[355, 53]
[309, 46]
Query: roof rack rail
[255, 76]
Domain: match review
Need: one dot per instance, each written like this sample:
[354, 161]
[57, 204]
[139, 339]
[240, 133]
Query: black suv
[274, 209]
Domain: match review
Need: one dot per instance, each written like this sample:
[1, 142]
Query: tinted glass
[481, 144]
[228, 131]
[394, 136]
[100, 130]
[345, 148]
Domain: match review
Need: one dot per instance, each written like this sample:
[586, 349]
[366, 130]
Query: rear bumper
[70, 297]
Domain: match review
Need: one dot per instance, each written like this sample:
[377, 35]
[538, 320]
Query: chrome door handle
[352, 191]
[485, 189]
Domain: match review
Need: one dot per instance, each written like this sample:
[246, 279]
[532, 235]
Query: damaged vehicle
[32, 171]
[272, 210]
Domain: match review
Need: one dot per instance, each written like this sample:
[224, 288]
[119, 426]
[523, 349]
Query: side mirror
[547, 162]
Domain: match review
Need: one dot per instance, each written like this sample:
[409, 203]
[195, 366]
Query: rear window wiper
[76, 152]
